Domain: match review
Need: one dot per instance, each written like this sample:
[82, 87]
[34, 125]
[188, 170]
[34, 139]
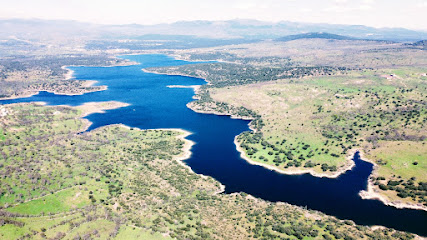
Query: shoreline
[180, 57]
[350, 164]
[369, 193]
[69, 74]
[125, 62]
[95, 107]
[24, 95]
[188, 144]
[232, 116]
[195, 87]
[187, 153]
[175, 56]
[89, 84]
[176, 74]
[373, 193]
[186, 150]
[98, 107]
[35, 92]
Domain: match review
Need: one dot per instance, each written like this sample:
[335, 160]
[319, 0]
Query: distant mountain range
[315, 35]
[232, 29]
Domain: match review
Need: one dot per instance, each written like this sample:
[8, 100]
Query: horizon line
[206, 20]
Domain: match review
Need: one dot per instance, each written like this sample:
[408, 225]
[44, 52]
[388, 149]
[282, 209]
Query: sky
[377, 13]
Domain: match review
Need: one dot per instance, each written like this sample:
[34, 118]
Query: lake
[154, 105]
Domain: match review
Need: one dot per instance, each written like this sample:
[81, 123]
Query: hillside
[120, 183]
[314, 102]
[30, 29]
[320, 35]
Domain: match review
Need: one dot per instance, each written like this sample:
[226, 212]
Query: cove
[154, 105]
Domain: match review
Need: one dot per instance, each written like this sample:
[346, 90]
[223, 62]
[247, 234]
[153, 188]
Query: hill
[121, 183]
[315, 35]
[230, 29]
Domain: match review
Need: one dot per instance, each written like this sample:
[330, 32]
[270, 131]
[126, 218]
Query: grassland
[311, 53]
[117, 182]
[23, 76]
[352, 95]
[315, 121]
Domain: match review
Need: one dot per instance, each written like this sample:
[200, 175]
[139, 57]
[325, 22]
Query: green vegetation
[118, 183]
[353, 54]
[314, 122]
[230, 74]
[373, 99]
[401, 174]
[23, 75]
[2, 137]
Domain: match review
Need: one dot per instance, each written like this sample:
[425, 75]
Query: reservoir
[154, 105]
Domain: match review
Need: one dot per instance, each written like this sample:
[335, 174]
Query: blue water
[153, 105]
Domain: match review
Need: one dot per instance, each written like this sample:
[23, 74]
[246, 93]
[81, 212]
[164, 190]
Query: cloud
[306, 10]
[344, 9]
[364, 7]
[336, 9]
[244, 6]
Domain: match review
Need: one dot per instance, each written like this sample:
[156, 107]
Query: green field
[315, 122]
[119, 183]
[314, 102]
[2, 136]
